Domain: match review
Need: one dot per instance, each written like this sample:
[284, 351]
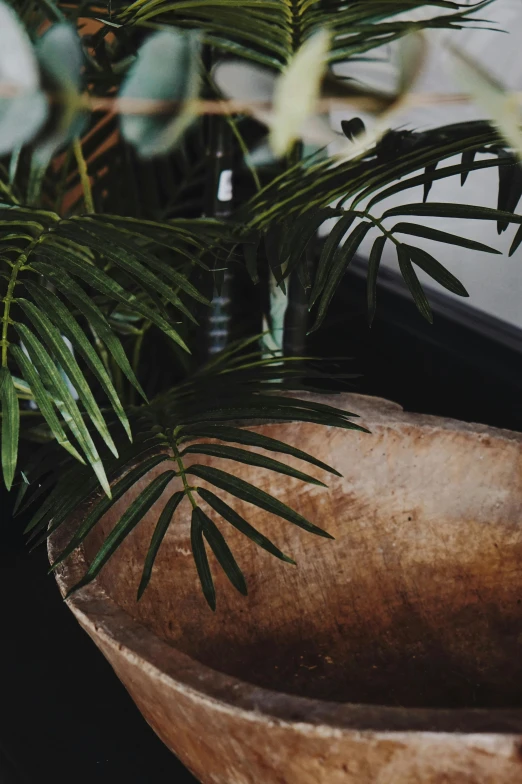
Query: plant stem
[377, 222]
[295, 325]
[186, 487]
[9, 297]
[245, 151]
[219, 204]
[84, 175]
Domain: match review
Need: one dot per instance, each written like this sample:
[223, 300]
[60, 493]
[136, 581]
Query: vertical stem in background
[289, 313]
[296, 314]
[273, 339]
[219, 204]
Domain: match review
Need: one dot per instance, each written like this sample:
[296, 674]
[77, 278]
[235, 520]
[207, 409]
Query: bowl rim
[127, 638]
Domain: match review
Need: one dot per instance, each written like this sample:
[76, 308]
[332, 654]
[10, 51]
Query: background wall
[493, 282]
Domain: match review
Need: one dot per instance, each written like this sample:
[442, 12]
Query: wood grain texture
[390, 655]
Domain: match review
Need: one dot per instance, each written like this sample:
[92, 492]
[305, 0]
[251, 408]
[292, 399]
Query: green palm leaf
[433, 268]
[64, 401]
[374, 262]
[412, 281]
[248, 492]
[227, 389]
[129, 520]
[250, 458]
[103, 506]
[251, 438]
[222, 551]
[232, 517]
[200, 558]
[41, 397]
[56, 345]
[58, 313]
[160, 530]
[270, 31]
[10, 425]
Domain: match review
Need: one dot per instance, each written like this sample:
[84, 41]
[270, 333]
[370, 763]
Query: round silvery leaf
[18, 64]
[242, 81]
[61, 59]
[167, 69]
[20, 119]
[297, 91]
[60, 54]
[23, 114]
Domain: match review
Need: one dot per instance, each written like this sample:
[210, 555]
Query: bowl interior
[417, 602]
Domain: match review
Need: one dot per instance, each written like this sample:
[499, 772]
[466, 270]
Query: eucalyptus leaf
[242, 81]
[296, 92]
[167, 69]
[24, 113]
[61, 58]
[501, 107]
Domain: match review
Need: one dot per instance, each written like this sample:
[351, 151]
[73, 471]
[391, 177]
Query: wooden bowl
[391, 655]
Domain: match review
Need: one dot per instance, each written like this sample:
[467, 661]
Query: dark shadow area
[64, 715]
[465, 365]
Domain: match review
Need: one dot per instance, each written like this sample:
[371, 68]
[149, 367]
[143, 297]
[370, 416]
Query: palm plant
[115, 233]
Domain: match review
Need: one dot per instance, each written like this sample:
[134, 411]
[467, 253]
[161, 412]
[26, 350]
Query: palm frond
[297, 203]
[63, 278]
[270, 31]
[216, 405]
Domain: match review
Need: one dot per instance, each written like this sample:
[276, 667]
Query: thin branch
[150, 106]
[84, 175]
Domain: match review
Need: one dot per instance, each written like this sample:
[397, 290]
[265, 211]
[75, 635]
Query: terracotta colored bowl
[391, 655]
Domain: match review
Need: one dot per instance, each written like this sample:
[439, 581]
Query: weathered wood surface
[391, 655]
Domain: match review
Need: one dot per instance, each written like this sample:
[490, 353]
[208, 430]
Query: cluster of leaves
[163, 81]
[232, 391]
[46, 81]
